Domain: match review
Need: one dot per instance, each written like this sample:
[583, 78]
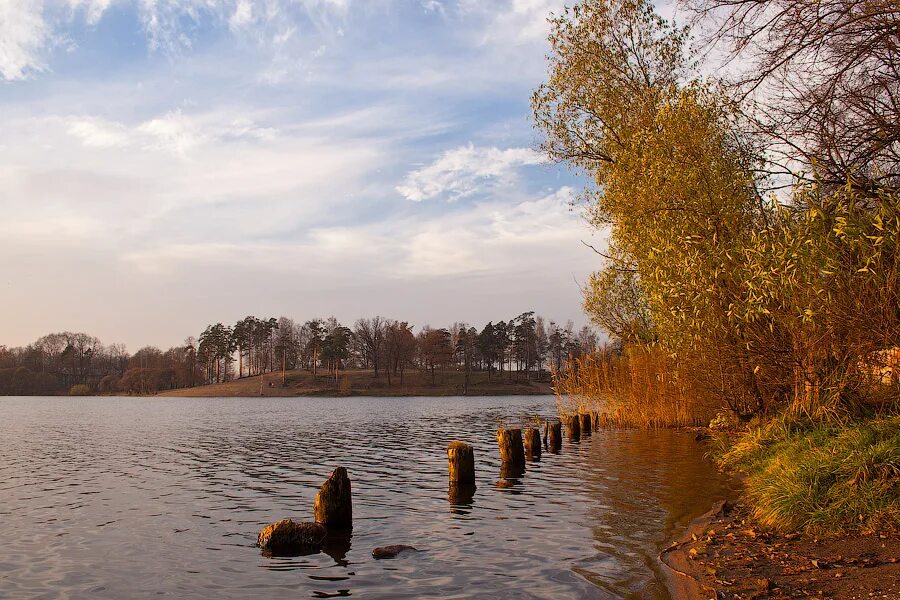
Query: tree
[370, 334]
[336, 349]
[830, 107]
[466, 346]
[436, 348]
[487, 347]
[313, 334]
[399, 348]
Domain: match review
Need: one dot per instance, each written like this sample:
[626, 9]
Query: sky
[166, 164]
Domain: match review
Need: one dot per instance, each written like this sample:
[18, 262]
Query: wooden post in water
[512, 450]
[461, 463]
[533, 443]
[573, 427]
[333, 507]
[554, 436]
[585, 423]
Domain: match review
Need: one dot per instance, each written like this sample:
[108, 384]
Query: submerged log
[554, 436]
[334, 507]
[573, 427]
[461, 463]
[512, 450]
[532, 443]
[289, 537]
[585, 424]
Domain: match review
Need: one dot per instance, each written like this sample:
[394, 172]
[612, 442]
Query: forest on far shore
[80, 364]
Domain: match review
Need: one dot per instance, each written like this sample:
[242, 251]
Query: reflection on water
[114, 498]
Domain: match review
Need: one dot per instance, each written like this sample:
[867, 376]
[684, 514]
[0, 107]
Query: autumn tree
[435, 346]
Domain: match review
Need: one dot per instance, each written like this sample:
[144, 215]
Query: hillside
[363, 383]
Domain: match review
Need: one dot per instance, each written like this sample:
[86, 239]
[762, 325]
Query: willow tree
[673, 178]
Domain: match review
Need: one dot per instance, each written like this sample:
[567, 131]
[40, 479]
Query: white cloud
[93, 9]
[465, 170]
[513, 22]
[23, 36]
[242, 15]
[98, 133]
[30, 28]
[174, 132]
[497, 237]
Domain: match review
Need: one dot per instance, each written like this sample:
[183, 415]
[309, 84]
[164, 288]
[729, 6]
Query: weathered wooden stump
[512, 450]
[461, 463]
[554, 436]
[461, 494]
[585, 424]
[533, 443]
[334, 507]
[289, 537]
[510, 474]
[573, 427]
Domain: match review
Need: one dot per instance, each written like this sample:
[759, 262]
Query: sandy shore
[724, 555]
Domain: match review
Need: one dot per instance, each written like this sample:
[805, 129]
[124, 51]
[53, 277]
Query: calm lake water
[149, 497]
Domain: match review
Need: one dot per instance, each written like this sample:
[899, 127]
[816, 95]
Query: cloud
[29, 29]
[98, 133]
[173, 132]
[242, 15]
[23, 36]
[465, 170]
[93, 9]
[497, 237]
[131, 173]
[512, 22]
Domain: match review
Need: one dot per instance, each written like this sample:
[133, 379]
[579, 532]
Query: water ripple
[129, 497]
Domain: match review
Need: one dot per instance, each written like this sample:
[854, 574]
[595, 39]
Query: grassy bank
[821, 478]
[364, 383]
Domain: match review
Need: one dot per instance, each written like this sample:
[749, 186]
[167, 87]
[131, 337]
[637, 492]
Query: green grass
[821, 478]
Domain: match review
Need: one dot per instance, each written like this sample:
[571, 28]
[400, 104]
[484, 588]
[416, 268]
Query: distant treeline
[525, 347]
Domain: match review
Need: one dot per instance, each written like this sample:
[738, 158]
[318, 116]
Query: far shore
[359, 382]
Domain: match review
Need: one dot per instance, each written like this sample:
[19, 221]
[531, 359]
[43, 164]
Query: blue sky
[169, 163]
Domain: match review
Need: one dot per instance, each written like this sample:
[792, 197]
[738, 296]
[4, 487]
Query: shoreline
[723, 554]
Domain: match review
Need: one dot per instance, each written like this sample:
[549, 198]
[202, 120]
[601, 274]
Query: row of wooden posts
[333, 508]
[516, 447]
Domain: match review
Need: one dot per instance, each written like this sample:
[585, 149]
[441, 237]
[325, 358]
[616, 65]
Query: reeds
[639, 387]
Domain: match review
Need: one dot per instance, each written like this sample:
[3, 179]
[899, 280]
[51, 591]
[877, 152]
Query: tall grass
[821, 477]
[640, 387]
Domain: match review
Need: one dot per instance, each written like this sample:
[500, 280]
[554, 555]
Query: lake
[149, 497]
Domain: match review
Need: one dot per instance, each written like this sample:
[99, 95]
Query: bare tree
[824, 76]
[370, 335]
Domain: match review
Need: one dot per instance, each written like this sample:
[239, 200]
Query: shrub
[80, 389]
